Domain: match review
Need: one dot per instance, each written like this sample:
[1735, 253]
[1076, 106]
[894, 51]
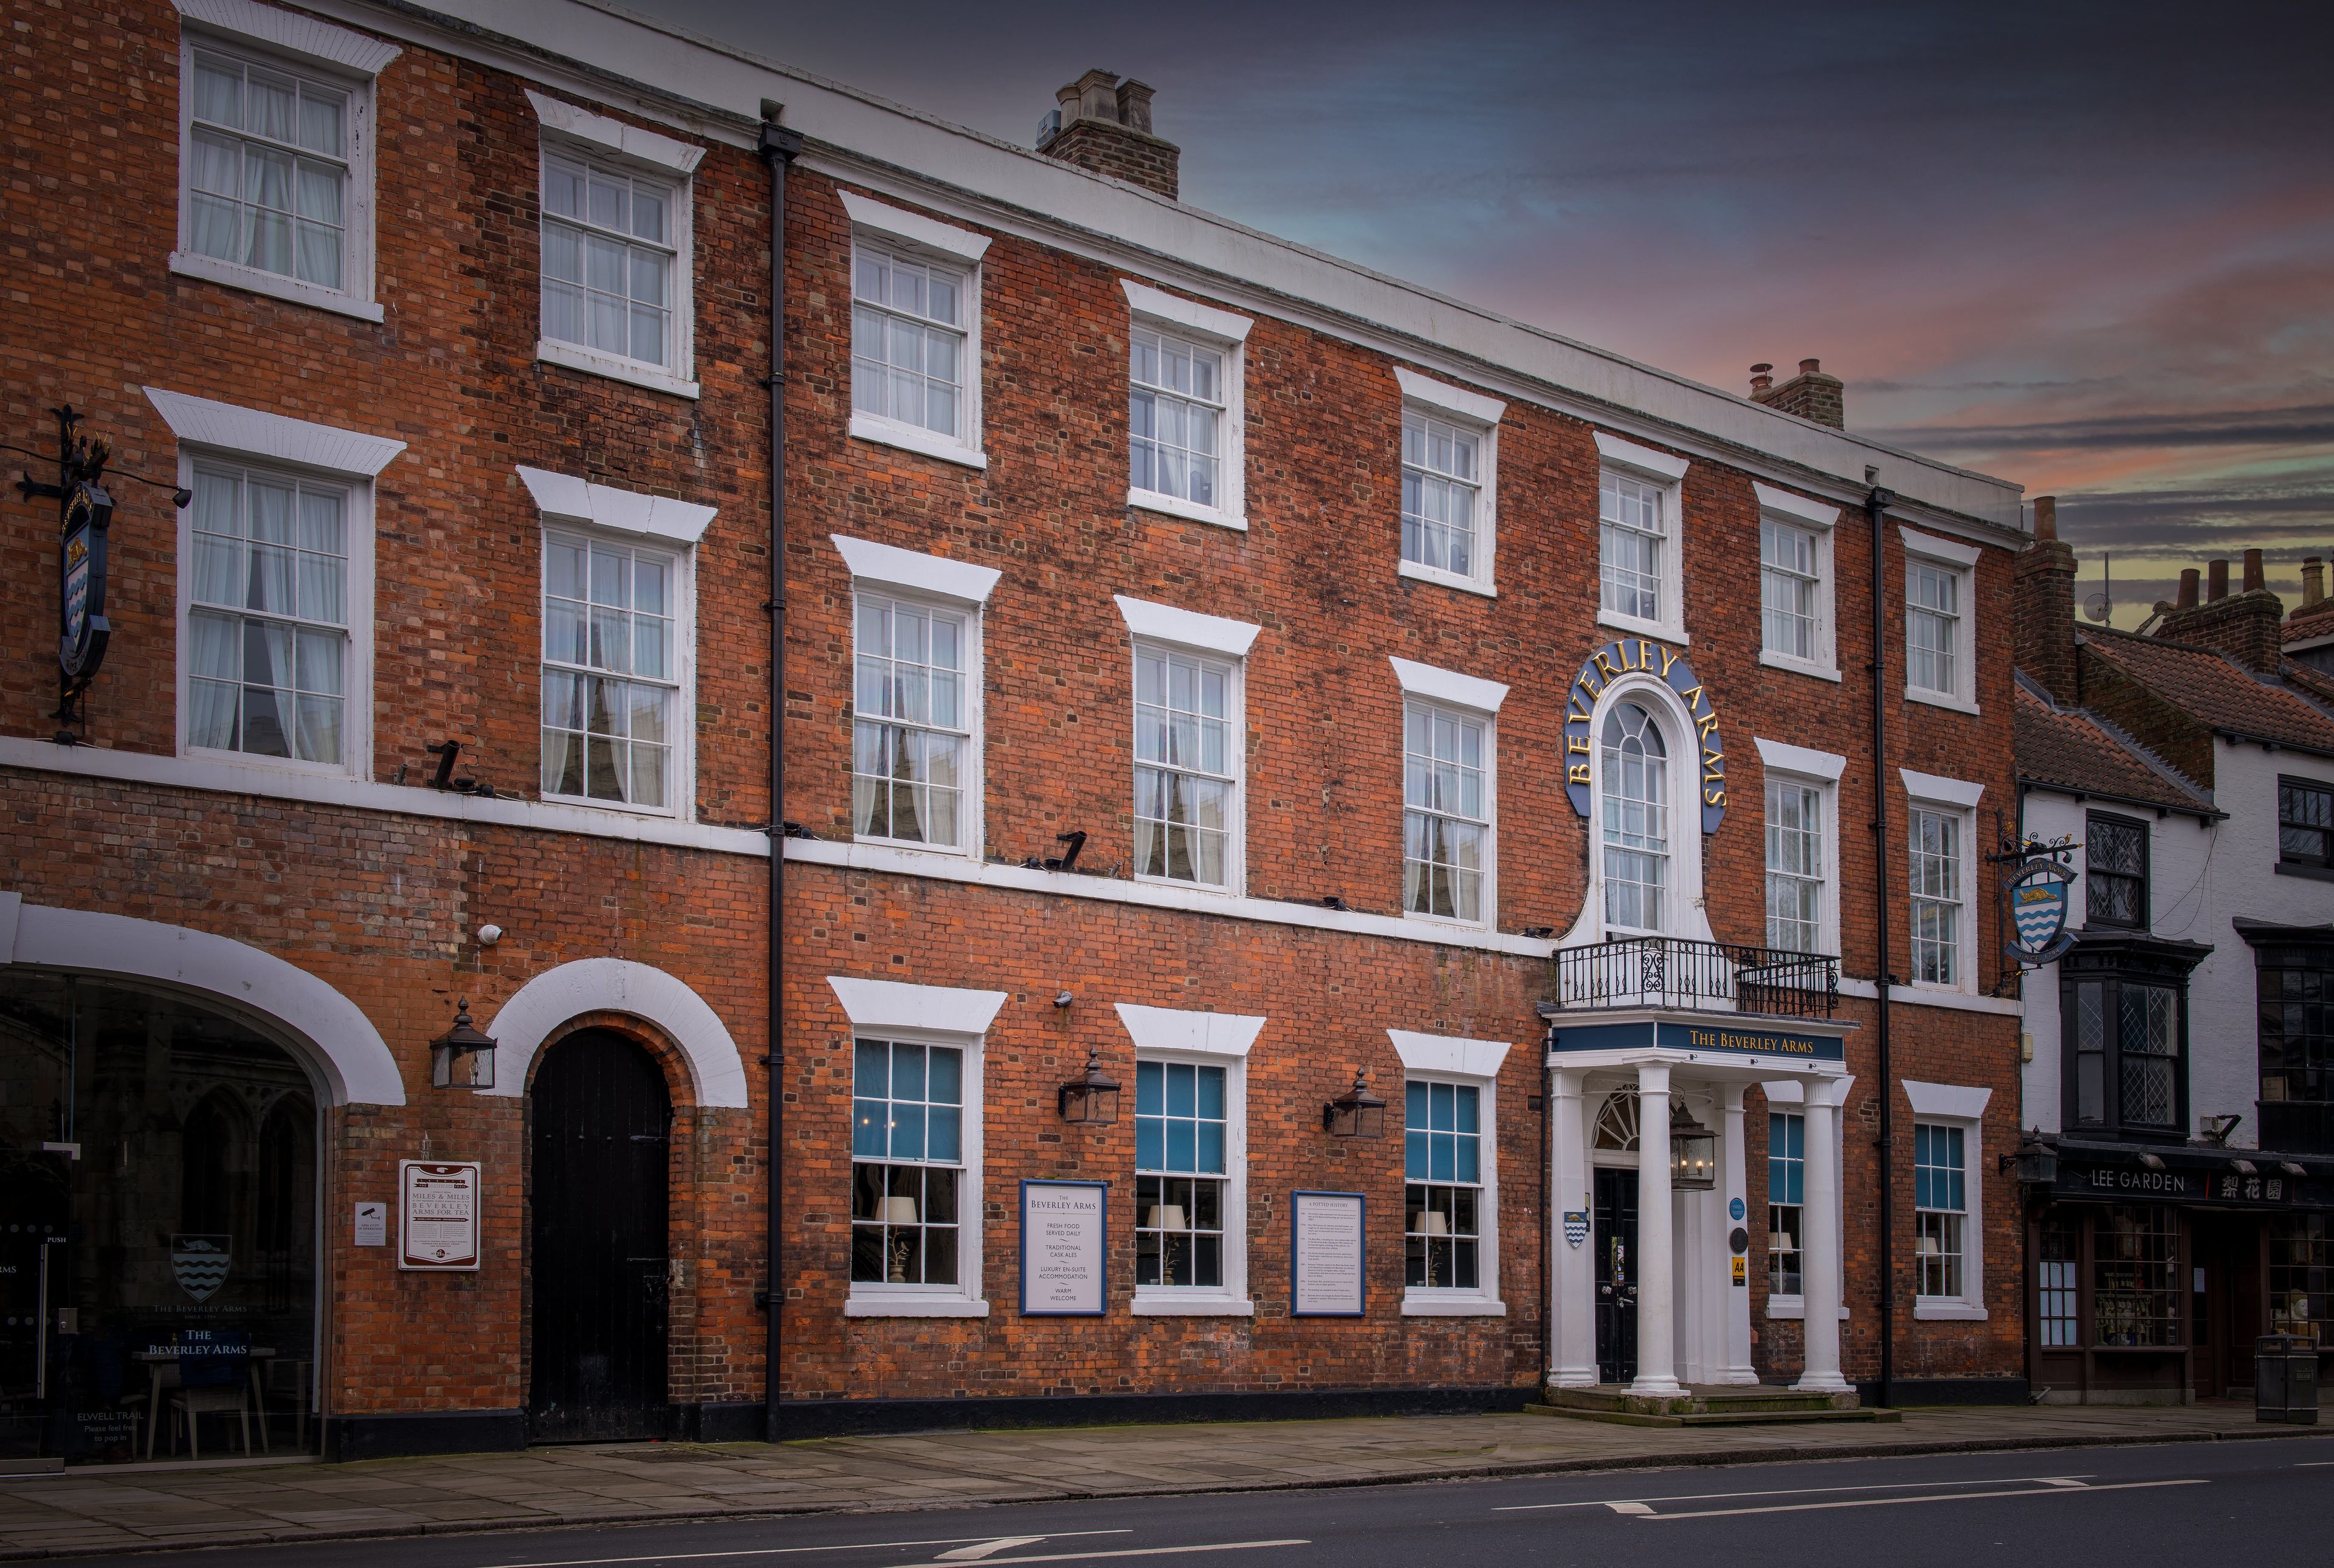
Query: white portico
[1650, 1272]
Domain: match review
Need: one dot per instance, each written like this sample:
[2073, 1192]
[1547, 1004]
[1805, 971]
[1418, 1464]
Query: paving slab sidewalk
[79, 1512]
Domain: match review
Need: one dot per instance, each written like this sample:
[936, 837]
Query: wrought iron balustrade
[1704, 976]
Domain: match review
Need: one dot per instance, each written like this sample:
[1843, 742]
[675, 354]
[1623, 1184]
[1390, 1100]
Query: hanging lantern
[462, 1058]
[1091, 1101]
[1357, 1114]
[1693, 1151]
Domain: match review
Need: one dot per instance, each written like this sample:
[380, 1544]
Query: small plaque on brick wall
[437, 1215]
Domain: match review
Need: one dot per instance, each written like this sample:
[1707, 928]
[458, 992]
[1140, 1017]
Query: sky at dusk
[2086, 248]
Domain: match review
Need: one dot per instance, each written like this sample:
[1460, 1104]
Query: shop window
[1786, 1175]
[2114, 868]
[2296, 1013]
[2135, 1278]
[2300, 1275]
[1181, 1123]
[1442, 1165]
[2058, 1276]
[907, 1171]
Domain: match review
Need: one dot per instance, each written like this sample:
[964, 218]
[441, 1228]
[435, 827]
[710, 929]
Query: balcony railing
[1701, 976]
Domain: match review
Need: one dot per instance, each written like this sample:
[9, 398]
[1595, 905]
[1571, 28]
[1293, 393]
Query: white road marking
[1148, 1551]
[975, 1553]
[1940, 1497]
[781, 1551]
[1629, 1508]
[1795, 1492]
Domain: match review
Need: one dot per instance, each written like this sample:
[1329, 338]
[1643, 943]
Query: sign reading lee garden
[1640, 656]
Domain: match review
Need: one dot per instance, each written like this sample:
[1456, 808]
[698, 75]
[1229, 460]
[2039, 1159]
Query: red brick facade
[383, 900]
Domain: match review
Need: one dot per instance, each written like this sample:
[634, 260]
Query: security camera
[1063, 1000]
[489, 934]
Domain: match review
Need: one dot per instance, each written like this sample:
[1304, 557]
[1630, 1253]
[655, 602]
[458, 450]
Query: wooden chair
[212, 1387]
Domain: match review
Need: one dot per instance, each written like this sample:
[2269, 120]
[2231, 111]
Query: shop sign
[199, 1264]
[82, 626]
[1576, 1227]
[1324, 1255]
[1672, 1035]
[1064, 1231]
[437, 1215]
[1641, 656]
[2036, 883]
[1741, 1274]
[2133, 1178]
[2220, 1185]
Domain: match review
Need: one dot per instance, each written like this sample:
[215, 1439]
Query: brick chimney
[1104, 126]
[1812, 394]
[2043, 583]
[2314, 617]
[2248, 626]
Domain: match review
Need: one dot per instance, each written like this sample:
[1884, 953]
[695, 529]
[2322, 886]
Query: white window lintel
[1446, 1054]
[1444, 398]
[1467, 691]
[935, 1009]
[248, 432]
[1179, 1029]
[1937, 791]
[1797, 508]
[1948, 1101]
[293, 34]
[914, 228]
[573, 500]
[1188, 627]
[1952, 552]
[1783, 758]
[630, 140]
[1175, 310]
[1627, 454]
[891, 567]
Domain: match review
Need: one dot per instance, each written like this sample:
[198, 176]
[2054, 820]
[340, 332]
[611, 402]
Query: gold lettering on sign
[1578, 742]
[1713, 764]
[1644, 656]
[1577, 773]
[1704, 725]
[1669, 658]
[1691, 695]
[1603, 665]
[1713, 797]
[1726, 1039]
[1594, 691]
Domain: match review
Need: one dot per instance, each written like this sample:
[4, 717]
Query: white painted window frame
[960, 250]
[348, 458]
[1959, 560]
[1228, 334]
[1789, 1097]
[1666, 474]
[1212, 637]
[1475, 1063]
[930, 1016]
[287, 41]
[1820, 519]
[1207, 1040]
[1687, 916]
[1961, 1106]
[1480, 417]
[1818, 771]
[1471, 697]
[1958, 798]
[613, 144]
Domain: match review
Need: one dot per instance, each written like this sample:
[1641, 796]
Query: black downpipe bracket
[778, 147]
[1875, 510]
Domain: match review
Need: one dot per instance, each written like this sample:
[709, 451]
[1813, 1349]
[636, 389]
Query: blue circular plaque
[1734, 1209]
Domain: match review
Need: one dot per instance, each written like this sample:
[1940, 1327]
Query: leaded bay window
[1186, 757]
[1176, 407]
[908, 336]
[1635, 784]
[2135, 1283]
[1934, 868]
[1795, 866]
[911, 736]
[269, 168]
[608, 259]
[1442, 1198]
[2114, 868]
[1632, 534]
[1931, 627]
[1440, 486]
[1787, 1196]
[907, 1162]
[1446, 815]
[1180, 1152]
[609, 682]
[268, 621]
[1940, 1210]
[1786, 586]
[2305, 823]
[2124, 1041]
[2296, 1044]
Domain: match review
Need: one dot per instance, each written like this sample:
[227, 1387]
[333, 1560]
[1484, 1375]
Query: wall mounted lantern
[2035, 1162]
[1694, 1152]
[1358, 1114]
[462, 1058]
[1091, 1101]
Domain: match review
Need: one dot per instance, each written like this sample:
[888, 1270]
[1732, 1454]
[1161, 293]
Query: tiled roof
[2215, 689]
[2068, 748]
[2313, 621]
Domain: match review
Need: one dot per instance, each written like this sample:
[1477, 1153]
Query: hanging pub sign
[82, 630]
[1641, 656]
[2036, 884]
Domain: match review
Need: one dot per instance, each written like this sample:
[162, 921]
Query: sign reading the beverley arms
[1639, 656]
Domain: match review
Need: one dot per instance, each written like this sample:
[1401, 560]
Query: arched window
[1636, 818]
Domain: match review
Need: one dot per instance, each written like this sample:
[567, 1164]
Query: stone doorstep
[1714, 1418]
[1703, 1404]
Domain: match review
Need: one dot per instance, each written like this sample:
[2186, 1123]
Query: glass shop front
[159, 1228]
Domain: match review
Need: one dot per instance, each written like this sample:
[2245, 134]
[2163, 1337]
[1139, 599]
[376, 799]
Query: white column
[1572, 1270]
[1656, 1261]
[1736, 1188]
[1820, 1240]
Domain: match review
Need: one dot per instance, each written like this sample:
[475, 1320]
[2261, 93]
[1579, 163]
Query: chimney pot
[1762, 382]
[2188, 577]
[2046, 517]
[1809, 367]
[2314, 582]
[2216, 580]
[2256, 578]
[1105, 129]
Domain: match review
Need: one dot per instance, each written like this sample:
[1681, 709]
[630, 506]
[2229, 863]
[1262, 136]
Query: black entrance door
[602, 1136]
[1616, 1275]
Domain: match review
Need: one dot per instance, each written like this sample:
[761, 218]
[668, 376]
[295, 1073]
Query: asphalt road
[2193, 1504]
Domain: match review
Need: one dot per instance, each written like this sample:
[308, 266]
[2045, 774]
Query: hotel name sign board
[1641, 656]
[1671, 1035]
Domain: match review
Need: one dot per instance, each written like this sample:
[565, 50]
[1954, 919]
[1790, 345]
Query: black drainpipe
[778, 147]
[1875, 508]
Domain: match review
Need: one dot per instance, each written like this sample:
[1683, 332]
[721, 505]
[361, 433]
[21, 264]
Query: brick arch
[542, 1007]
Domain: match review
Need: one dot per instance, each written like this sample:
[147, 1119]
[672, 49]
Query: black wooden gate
[603, 1134]
[1617, 1275]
